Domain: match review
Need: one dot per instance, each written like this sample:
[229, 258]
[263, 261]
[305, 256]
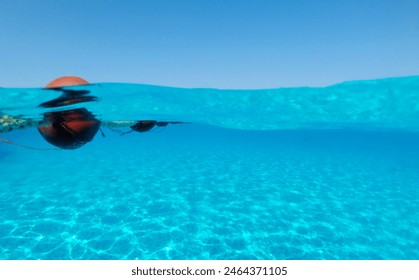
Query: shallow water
[199, 191]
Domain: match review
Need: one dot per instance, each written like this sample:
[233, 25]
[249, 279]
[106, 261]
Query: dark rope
[24, 146]
[101, 131]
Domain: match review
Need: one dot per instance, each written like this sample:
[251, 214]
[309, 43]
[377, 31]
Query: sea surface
[297, 173]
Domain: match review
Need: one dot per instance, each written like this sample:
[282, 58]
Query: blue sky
[212, 43]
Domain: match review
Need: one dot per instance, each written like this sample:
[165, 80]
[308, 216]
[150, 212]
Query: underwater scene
[131, 171]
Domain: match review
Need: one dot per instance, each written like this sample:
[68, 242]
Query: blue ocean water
[326, 173]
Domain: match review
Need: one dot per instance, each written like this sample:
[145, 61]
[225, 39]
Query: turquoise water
[304, 173]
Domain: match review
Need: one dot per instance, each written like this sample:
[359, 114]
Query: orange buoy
[69, 129]
[67, 81]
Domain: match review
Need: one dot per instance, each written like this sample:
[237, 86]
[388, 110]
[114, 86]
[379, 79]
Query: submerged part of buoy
[143, 126]
[69, 129]
[147, 125]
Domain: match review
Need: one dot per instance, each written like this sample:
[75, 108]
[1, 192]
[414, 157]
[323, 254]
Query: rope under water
[25, 146]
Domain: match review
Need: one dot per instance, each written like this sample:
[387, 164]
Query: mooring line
[25, 146]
